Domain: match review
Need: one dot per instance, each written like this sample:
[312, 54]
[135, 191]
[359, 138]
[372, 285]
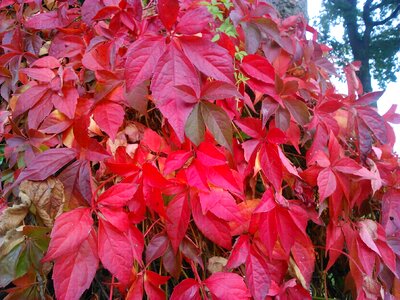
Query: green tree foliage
[371, 35]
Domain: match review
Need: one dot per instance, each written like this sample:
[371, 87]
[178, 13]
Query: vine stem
[112, 288]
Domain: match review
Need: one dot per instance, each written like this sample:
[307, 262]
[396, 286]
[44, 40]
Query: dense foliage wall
[188, 149]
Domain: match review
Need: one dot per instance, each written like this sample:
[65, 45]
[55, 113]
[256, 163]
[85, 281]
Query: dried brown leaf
[216, 264]
[11, 239]
[14, 215]
[46, 196]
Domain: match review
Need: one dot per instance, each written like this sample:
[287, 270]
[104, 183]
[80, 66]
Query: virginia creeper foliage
[188, 149]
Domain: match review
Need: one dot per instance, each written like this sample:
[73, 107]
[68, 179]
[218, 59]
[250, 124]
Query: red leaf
[136, 239]
[209, 58]
[326, 183]
[369, 98]
[194, 21]
[118, 195]
[305, 259]
[227, 286]
[213, 228]
[239, 252]
[186, 289]
[178, 217]
[69, 231]
[39, 74]
[374, 121]
[73, 273]
[334, 243]
[67, 102]
[259, 68]
[109, 116]
[115, 251]
[152, 281]
[116, 216]
[168, 11]
[220, 203]
[49, 20]
[176, 160]
[271, 165]
[258, 276]
[29, 99]
[142, 58]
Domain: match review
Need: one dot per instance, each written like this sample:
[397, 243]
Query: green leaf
[195, 127]
[22, 264]
[8, 264]
[218, 122]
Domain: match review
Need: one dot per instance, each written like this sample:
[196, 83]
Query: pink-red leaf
[227, 286]
[73, 273]
[115, 251]
[109, 116]
[259, 68]
[186, 289]
[118, 195]
[209, 58]
[194, 21]
[213, 228]
[326, 183]
[142, 59]
[69, 231]
[178, 217]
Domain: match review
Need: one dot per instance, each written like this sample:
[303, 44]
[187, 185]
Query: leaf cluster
[142, 157]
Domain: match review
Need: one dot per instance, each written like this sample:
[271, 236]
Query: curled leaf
[47, 197]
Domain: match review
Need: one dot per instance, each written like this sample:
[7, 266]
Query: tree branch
[392, 16]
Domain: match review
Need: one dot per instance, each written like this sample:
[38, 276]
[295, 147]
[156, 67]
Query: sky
[392, 93]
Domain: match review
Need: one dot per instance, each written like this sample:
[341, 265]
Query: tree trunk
[290, 7]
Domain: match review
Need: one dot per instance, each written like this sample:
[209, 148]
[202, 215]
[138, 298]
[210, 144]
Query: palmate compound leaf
[73, 273]
[175, 87]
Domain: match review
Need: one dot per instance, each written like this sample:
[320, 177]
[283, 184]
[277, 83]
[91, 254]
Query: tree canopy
[371, 36]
